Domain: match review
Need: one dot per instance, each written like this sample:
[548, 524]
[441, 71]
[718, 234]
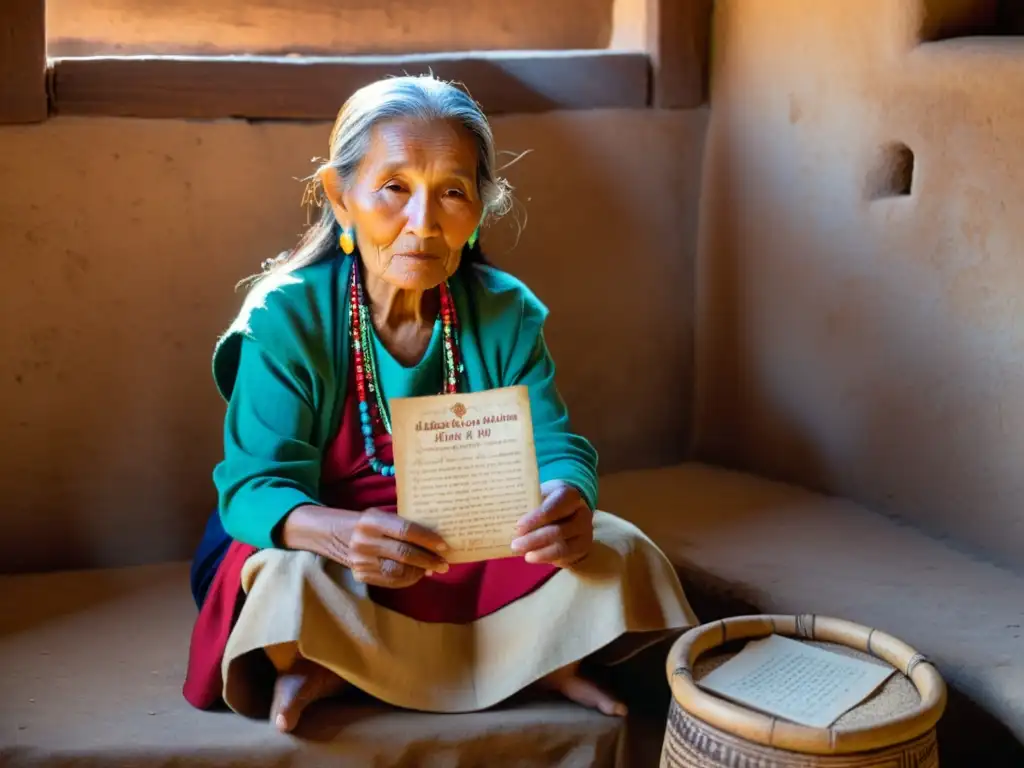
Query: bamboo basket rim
[782, 734]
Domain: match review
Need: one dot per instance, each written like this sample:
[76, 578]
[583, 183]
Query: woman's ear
[334, 189]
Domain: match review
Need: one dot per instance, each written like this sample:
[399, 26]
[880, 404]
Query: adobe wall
[123, 241]
[127, 27]
[860, 319]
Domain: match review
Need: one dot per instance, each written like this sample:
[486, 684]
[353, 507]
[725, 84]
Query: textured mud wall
[861, 285]
[122, 242]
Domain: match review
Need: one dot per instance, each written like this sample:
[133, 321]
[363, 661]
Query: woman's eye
[455, 193]
[393, 187]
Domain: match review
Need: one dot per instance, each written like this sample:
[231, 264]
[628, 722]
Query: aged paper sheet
[796, 681]
[466, 467]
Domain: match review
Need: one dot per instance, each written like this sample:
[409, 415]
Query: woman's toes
[589, 694]
[291, 694]
[579, 689]
[299, 687]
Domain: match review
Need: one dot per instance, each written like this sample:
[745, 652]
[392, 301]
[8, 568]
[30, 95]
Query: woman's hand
[560, 531]
[380, 548]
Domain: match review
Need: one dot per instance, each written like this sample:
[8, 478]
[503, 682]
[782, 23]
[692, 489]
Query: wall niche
[891, 173]
[946, 19]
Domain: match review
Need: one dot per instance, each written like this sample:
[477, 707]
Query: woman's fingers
[386, 550]
[579, 525]
[562, 502]
[380, 572]
[402, 553]
[391, 526]
[386, 535]
[562, 553]
[559, 532]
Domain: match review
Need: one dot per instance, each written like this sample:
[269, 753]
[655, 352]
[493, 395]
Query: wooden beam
[22, 61]
[304, 88]
[678, 34]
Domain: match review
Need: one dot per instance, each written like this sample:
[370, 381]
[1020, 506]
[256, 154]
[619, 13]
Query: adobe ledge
[313, 88]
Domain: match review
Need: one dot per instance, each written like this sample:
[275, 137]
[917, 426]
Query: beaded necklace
[373, 411]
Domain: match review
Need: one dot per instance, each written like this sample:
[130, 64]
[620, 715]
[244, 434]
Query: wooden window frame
[22, 61]
[671, 73]
[679, 42]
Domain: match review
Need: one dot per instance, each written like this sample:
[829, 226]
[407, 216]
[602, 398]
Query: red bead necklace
[373, 411]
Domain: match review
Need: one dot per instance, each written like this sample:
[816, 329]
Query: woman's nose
[422, 216]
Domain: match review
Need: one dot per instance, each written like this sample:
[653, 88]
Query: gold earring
[346, 241]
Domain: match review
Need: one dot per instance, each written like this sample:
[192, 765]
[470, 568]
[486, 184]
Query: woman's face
[414, 201]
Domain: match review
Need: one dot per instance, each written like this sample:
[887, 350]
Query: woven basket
[894, 728]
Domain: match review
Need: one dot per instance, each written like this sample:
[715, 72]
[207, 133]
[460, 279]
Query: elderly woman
[307, 579]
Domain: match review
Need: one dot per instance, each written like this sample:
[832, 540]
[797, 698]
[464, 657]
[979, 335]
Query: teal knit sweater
[285, 393]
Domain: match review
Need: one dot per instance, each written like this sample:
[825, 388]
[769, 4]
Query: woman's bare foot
[299, 687]
[568, 682]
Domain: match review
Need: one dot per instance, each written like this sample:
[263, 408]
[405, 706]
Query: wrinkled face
[414, 201]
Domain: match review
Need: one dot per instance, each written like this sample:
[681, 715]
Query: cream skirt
[301, 604]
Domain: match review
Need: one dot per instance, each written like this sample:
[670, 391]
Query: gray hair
[417, 97]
